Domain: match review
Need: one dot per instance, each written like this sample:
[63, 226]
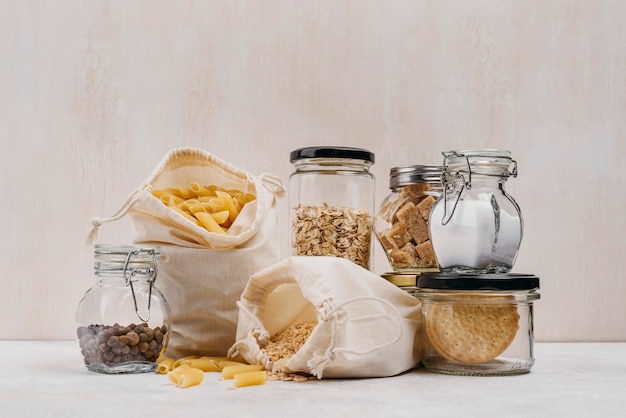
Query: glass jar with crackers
[478, 324]
[123, 321]
[331, 199]
[402, 221]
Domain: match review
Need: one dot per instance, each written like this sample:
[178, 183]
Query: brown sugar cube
[386, 240]
[415, 190]
[426, 253]
[406, 212]
[416, 225]
[425, 206]
[418, 228]
[409, 249]
[403, 257]
[386, 212]
[399, 234]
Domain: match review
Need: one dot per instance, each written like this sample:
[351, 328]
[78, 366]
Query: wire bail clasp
[129, 272]
[491, 163]
[448, 179]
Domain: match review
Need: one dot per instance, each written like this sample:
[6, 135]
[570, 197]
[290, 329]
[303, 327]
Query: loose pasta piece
[190, 377]
[175, 373]
[200, 190]
[206, 364]
[250, 378]
[165, 192]
[186, 193]
[171, 200]
[229, 204]
[165, 366]
[220, 217]
[187, 215]
[198, 207]
[229, 372]
[213, 204]
[182, 361]
[209, 222]
[226, 363]
[187, 204]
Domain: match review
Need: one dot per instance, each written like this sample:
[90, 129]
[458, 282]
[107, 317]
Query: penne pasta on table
[184, 377]
[189, 371]
[250, 378]
[229, 372]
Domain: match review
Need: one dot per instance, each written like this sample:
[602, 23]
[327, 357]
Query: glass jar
[401, 223]
[331, 198]
[478, 324]
[476, 226]
[123, 321]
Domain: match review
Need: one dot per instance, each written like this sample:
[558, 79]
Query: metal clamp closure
[448, 179]
[128, 273]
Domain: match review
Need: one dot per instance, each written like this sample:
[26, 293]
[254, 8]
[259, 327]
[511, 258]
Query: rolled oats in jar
[331, 198]
[402, 222]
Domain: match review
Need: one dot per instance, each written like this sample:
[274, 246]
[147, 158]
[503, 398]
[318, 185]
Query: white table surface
[48, 379]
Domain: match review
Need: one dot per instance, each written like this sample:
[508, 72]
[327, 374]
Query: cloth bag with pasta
[202, 274]
[362, 325]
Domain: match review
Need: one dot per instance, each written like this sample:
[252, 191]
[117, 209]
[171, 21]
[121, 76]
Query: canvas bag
[202, 274]
[366, 326]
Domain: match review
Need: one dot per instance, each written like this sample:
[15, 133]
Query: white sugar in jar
[476, 227]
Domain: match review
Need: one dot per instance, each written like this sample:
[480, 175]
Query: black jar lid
[331, 152]
[492, 281]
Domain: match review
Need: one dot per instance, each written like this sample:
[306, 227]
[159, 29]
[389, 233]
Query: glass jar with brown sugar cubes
[402, 222]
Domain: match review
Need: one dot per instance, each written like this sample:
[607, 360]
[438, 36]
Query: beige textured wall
[93, 94]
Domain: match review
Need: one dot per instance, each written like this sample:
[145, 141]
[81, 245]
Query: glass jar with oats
[331, 198]
[401, 224]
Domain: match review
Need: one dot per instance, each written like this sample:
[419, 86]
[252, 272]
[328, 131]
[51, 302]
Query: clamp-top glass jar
[402, 222]
[476, 226]
[123, 321]
[331, 198]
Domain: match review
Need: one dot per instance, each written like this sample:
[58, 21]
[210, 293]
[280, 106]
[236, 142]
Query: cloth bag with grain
[363, 326]
[202, 274]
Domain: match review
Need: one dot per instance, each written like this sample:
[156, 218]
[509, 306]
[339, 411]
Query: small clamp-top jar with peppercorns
[123, 321]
